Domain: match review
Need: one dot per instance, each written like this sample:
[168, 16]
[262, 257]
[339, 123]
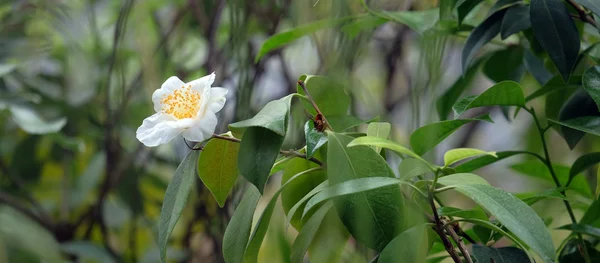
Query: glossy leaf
[482, 34]
[410, 246]
[463, 8]
[457, 212]
[506, 93]
[32, 123]
[383, 143]
[539, 170]
[175, 199]
[582, 163]
[536, 67]
[333, 235]
[379, 129]
[574, 113]
[591, 83]
[273, 116]
[588, 124]
[502, 5]
[506, 64]
[412, 167]
[592, 5]
[554, 84]
[258, 150]
[307, 234]
[583, 229]
[571, 252]
[425, 138]
[341, 123]
[262, 225]
[280, 39]
[300, 205]
[515, 20]
[556, 33]
[458, 154]
[513, 213]
[314, 138]
[482, 161]
[300, 187]
[378, 222]
[327, 93]
[238, 230]
[499, 255]
[461, 178]
[217, 167]
[531, 199]
[446, 101]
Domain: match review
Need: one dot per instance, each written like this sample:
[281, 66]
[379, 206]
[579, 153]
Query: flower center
[183, 103]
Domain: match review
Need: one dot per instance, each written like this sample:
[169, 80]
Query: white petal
[158, 129]
[203, 128]
[217, 99]
[167, 87]
[202, 83]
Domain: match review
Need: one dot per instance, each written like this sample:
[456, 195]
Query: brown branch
[582, 13]
[314, 104]
[14, 203]
[439, 229]
[459, 242]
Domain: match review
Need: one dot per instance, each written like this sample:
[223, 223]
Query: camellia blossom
[188, 109]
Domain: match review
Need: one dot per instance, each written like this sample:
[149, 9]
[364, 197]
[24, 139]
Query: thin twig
[582, 14]
[439, 229]
[312, 101]
[459, 242]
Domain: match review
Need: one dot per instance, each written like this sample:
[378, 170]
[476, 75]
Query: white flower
[183, 108]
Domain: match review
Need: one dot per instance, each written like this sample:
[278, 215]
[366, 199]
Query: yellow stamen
[183, 103]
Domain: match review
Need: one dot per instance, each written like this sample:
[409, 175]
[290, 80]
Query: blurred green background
[76, 78]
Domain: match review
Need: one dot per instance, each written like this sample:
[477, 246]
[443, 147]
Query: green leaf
[502, 5]
[273, 116]
[513, 213]
[458, 154]
[314, 139]
[412, 167]
[506, 64]
[296, 190]
[582, 229]
[587, 124]
[591, 83]
[379, 129]
[258, 150]
[19, 231]
[499, 255]
[571, 252]
[554, 84]
[482, 34]
[592, 215]
[580, 104]
[175, 199]
[31, 122]
[258, 235]
[464, 7]
[280, 39]
[515, 20]
[301, 204]
[344, 122]
[457, 212]
[367, 216]
[482, 161]
[450, 96]
[536, 67]
[332, 234]
[361, 24]
[238, 230]
[592, 5]
[327, 93]
[383, 143]
[582, 163]
[217, 167]
[425, 138]
[419, 21]
[506, 93]
[539, 170]
[308, 233]
[461, 178]
[531, 199]
[556, 33]
[410, 246]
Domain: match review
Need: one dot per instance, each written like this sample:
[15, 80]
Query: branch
[459, 242]
[14, 203]
[439, 229]
[582, 14]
